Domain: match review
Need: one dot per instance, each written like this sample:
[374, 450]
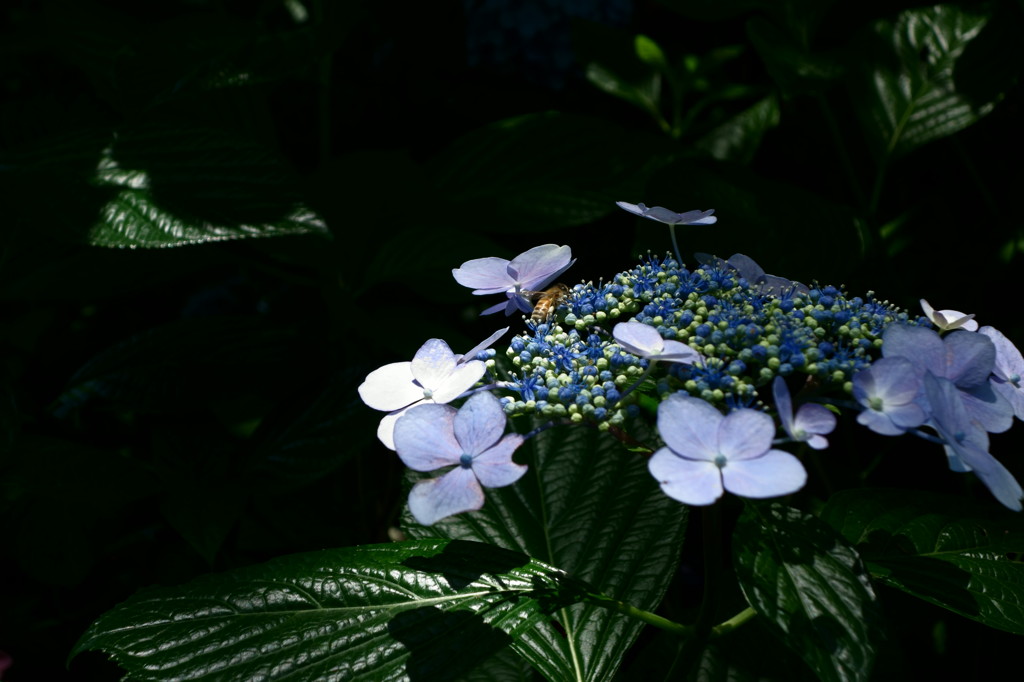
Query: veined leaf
[962, 556]
[427, 609]
[176, 187]
[811, 587]
[590, 507]
[910, 96]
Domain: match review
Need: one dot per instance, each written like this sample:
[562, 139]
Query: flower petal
[639, 338]
[745, 434]
[455, 492]
[494, 468]
[386, 428]
[433, 363]
[483, 345]
[783, 404]
[816, 421]
[686, 480]
[425, 437]
[459, 381]
[480, 423]
[537, 267]
[689, 426]
[773, 474]
[485, 275]
[390, 387]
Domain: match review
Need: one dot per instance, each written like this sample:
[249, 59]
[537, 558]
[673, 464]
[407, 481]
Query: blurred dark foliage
[190, 407]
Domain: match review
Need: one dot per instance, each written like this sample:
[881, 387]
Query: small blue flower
[890, 393]
[429, 437]
[810, 424]
[707, 453]
[531, 270]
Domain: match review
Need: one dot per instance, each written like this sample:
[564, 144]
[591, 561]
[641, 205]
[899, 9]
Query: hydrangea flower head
[664, 215]
[810, 424]
[529, 271]
[948, 320]
[435, 375]
[645, 341]
[472, 439]
[707, 453]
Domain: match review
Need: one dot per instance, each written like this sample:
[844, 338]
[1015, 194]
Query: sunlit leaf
[963, 556]
[811, 587]
[427, 609]
[174, 187]
[590, 507]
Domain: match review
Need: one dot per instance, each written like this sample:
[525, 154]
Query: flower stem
[675, 245]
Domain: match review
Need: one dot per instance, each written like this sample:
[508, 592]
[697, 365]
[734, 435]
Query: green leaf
[590, 507]
[428, 609]
[793, 67]
[908, 94]
[811, 587]
[651, 53]
[961, 555]
[171, 187]
[739, 138]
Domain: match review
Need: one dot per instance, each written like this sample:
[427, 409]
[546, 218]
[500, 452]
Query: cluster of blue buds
[711, 353]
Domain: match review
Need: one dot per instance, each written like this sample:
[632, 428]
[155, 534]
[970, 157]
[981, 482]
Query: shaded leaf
[811, 588]
[957, 554]
[591, 507]
[793, 67]
[425, 609]
[907, 94]
[739, 138]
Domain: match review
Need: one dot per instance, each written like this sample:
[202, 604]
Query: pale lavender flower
[707, 453]
[664, 215]
[948, 320]
[435, 375]
[810, 424]
[964, 358]
[529, 271]
[430, 437]
[967, 442]
[644, 341]
[1008, 370]
[890, 392]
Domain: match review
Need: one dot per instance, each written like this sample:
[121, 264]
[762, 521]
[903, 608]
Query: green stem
[639, 614]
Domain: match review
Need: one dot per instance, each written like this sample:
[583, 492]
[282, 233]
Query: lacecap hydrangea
[710, 352]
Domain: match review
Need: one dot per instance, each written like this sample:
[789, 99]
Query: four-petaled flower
[664, 215]
[429, 437]
[810, 424]
[644, 341]
[707, 452]
[529, 271]
[435, 375]
[948, 320]
[890, 392]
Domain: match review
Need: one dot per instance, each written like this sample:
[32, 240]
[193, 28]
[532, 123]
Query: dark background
[171, 408]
